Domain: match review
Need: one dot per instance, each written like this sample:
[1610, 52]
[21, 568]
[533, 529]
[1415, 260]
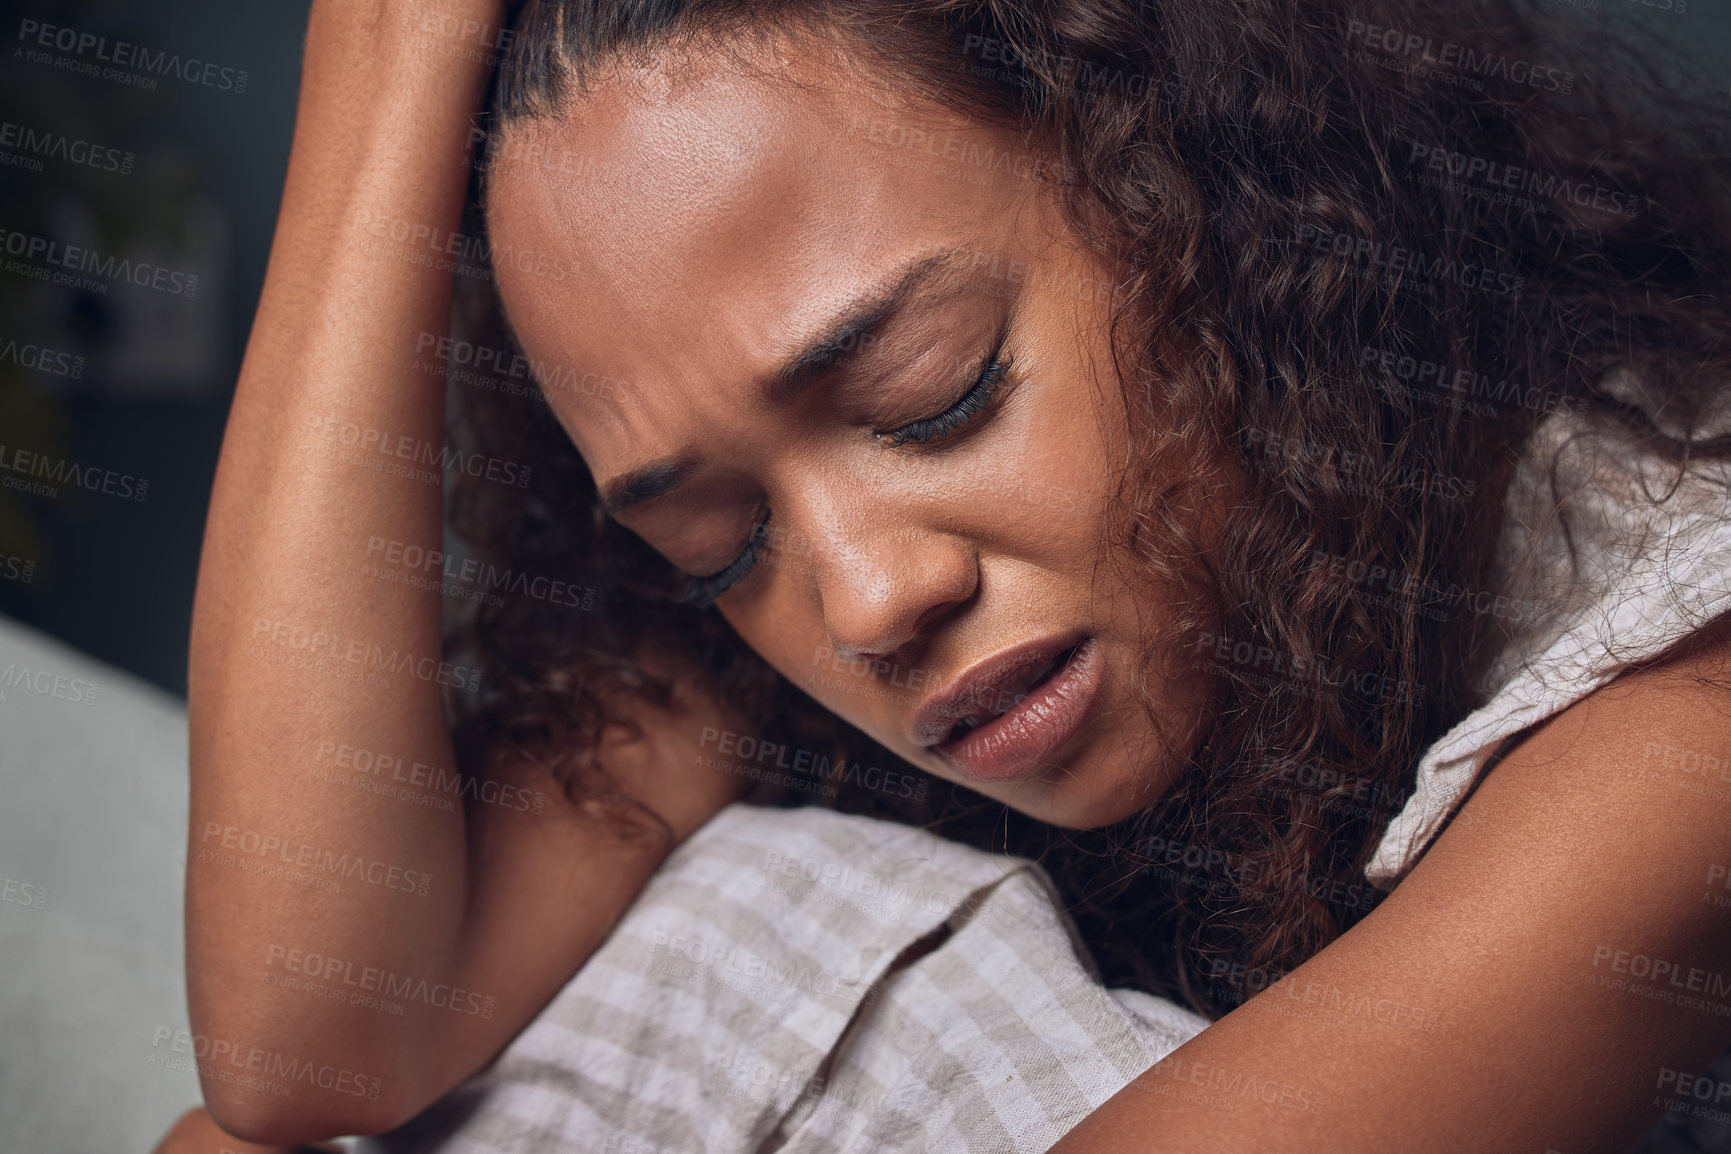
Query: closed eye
[704, 590]
[966, 411]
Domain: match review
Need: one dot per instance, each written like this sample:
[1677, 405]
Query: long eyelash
[978, 396]
[704, 590]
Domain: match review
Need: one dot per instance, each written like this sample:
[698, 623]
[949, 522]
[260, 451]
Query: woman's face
[863, 337]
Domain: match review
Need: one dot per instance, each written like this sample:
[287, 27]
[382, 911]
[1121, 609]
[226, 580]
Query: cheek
[1074, 429]
[1052, 487]
[792, 640]
[785, 629]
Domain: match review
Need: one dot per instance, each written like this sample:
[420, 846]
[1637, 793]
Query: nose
[883, 582]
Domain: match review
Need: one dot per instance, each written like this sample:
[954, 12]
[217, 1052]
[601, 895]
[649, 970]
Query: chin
[1090, 797]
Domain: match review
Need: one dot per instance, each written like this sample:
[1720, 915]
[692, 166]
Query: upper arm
[1544, 975]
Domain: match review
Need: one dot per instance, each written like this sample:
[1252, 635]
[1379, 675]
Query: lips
[1012, 715]
[987, 690]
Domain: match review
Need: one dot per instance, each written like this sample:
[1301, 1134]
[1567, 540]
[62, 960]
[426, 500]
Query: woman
[1163, 424]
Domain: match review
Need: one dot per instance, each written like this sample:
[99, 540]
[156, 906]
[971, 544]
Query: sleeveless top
[1609, 555]
[805, 981]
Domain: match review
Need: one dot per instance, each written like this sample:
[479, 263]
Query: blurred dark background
[110, 575]
[114, 576]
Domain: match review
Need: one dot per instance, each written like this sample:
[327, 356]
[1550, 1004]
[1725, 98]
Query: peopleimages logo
[20, 569]
[217, 1059]
[377, 980]
[59, 471]
[445, 458]
[1442, 378]
[1460, 59]
[1398, 264]
[58, 146]
[42, 359]
[88, 260]
[34, 35]
[47, 683]
[1545, 187]
[319, 646]
[754, 753]
[266, 847]
[436, 351]
[478, 575]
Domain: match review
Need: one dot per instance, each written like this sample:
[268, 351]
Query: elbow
[259, 1114]
[286, 1076]
[276, 1099]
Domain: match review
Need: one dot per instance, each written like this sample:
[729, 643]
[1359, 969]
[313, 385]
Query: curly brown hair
[1367, 246]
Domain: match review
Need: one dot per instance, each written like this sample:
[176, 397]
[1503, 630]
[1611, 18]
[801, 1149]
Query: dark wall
[184, 176]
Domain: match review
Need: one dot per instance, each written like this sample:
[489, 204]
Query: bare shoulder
[1552, 974]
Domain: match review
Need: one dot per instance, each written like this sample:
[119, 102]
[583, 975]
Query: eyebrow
[855, 321]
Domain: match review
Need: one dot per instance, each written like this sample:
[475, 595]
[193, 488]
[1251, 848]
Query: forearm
[451, 923]
[272, 864]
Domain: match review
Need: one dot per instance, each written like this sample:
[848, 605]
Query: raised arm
[356, 950]
[1554, 971]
